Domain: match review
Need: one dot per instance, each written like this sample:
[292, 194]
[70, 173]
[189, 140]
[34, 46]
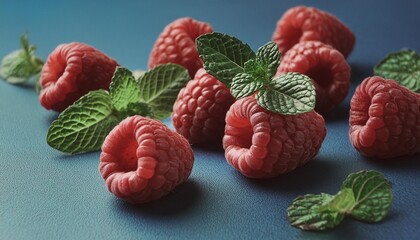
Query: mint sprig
[21, 65]
[403, 67]
[246, 73]
[83, 126]
[365, 195]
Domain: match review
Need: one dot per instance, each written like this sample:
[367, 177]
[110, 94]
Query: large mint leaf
[268, 57]
[403, 67]
[372, 193]
[159, 87]
[291, 93]
[124, 89]
[244, 84]
[83, 126]
[223, 56]
[309, 212]
[20, 65]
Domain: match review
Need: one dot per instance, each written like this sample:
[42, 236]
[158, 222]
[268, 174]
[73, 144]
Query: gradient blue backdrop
[45, 194]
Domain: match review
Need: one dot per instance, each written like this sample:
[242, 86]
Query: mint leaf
[124, 90]
[223, 56]
[291, 93]
[20, 65]
[268, 57]
[309, 212]
[343, 201]
[83, 126]
[365, 195]
[372, 193]
[159, 87]
[403, 67]
[243, 84]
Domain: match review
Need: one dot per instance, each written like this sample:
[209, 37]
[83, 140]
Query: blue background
[45, 194]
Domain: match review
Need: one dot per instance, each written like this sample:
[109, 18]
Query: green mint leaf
[124, 90]
[291, 93]
[268, 57]
[83, 126]
[138, 108]
[159, 87]
[309, 212]
[372, 193]
[244, 84]
[223, 56]
[343, 201]
[403, 67]
[20, 65]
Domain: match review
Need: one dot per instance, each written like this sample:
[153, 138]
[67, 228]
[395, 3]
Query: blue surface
[45, 194]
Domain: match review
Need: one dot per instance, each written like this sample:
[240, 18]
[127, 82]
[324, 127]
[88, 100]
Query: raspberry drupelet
[263, 144]
[143, 160]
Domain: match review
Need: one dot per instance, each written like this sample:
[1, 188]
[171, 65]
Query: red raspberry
[143, 160]
[176, 44]
[327, 68]
[71, 71]
[303, 23]
[263, 144]
[200, 109]
[384, 119]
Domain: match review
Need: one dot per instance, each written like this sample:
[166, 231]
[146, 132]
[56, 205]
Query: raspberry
[384, 119]
[303, 23]
[143, 160]
[327, 68]
[71, 71]
[263, 144]
[200, 109]
[176, 44]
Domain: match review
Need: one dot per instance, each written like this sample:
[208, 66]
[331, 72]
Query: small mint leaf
[138, 108]
[83, 126]
[20, 65]
[372, 194]
[223, 56]
[308, 212]
[159, 87]
[124, 90]
[256, 70]
[403, 67]
[268, 57]
[291, 93]
[343, 201]
[243, 85]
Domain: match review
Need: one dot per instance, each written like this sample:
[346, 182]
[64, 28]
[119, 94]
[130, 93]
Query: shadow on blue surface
[314, 175]
[177, 202]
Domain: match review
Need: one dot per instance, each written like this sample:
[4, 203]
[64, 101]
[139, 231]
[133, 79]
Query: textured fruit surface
[385, 119]
[71, 71]
[263, 144]
[176, 44]
[200, 109]
[303, 23]
[143, 160]
[327, 68]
